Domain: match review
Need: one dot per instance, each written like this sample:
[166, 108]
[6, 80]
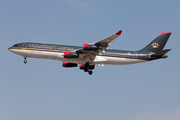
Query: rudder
[157, 44]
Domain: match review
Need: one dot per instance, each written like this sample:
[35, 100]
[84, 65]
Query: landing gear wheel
[87, 64]
[85, 69]
[90, 72]
[25, 61]
[88, 68]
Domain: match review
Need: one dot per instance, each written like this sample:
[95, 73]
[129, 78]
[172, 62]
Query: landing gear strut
[25, 61]
[88, 68]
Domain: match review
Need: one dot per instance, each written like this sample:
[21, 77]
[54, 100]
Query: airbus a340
[93, 54]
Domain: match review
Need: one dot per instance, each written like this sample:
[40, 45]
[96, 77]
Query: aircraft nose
[10, 49]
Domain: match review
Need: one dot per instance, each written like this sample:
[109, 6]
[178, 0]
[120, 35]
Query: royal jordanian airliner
[93, 54]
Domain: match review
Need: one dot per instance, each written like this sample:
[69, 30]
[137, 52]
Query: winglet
[118, 33]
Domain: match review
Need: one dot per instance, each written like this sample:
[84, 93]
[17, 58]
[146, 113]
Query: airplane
[92, 54]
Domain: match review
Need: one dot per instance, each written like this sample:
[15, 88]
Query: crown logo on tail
[155, 45]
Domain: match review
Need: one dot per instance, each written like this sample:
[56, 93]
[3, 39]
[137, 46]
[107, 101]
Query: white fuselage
[99, 59]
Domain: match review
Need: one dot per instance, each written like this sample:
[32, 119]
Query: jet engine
[81, 66]
[71, 55]
[67, 64]
[90, 47]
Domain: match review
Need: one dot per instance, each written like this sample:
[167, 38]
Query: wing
[97, 47]
[106, 42]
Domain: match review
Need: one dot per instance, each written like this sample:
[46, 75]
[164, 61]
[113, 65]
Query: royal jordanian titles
[90, 55]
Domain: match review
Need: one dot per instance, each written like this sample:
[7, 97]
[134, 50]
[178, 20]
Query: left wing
[96, 48]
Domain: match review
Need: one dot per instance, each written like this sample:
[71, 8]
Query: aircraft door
[135, 54]
[24, 45]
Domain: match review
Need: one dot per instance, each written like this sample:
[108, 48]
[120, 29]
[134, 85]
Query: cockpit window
[18, 45]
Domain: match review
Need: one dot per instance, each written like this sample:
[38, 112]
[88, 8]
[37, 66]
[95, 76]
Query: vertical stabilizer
[157, 44]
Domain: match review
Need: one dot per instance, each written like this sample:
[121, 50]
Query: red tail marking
[162, 34]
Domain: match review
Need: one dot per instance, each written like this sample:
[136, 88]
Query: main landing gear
[25, 61]
[88, 68]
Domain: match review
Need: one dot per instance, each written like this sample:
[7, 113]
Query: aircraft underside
[99, 60]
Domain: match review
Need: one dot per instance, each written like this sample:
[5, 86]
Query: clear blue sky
[44, 90]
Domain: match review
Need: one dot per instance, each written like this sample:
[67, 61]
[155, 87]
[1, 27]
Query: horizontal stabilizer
[160, 53]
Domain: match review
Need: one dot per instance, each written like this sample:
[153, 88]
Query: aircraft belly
[100, 60]
[60, 56]
[123, 61]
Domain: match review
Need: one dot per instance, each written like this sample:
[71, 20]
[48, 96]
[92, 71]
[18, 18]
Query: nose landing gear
[25, 61]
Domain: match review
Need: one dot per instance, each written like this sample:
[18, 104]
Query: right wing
[89, 51]
[103, 44]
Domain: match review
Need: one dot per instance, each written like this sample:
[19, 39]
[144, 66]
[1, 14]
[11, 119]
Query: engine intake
[71, 55]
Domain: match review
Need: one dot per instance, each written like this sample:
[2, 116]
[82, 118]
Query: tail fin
[157, 44]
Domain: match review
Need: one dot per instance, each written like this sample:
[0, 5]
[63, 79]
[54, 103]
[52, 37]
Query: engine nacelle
[81, 66]
[67, 64]
[90, 47]
[71, 55]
